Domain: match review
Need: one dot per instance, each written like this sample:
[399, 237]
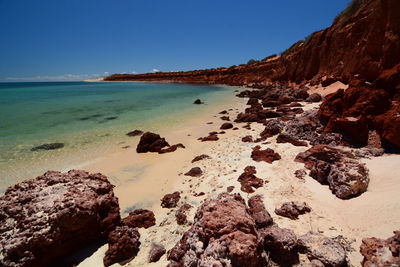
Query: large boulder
[47, 218]
[223, 234]
[323, 249]
[345, 176]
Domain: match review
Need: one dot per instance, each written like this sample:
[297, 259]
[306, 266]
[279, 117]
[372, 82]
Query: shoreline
[349, 220]
[98, 143]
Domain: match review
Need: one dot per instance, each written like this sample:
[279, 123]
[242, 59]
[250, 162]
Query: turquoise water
[84, 115]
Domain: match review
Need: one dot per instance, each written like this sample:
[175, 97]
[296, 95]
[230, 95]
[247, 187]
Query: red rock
[156, 252]
[380, 252]
[229, 189]
[180, 214]
[268, 155]
[247, 139]
[213, 137]
[140, 218]
[226, 125]
[257, 210]
[123, 244]
[194, 172]
[354, 129]
[225, 118]
[222, 231]
[248, 180]
[171, 148]
[46, 219]
[135, 133]
[201, 157]
[281, 243]
[170, 200]
[346, 176]
[272, 127]
[292, 209]
[285, 138]
[314, 98]
[224, 112]
[151, 142]
[300, 174]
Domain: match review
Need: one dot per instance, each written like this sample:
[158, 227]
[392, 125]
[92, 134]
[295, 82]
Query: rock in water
[135, 133]
[50, 146]
[123, 244]
[47, 218]
[197, 102]
[380, 252]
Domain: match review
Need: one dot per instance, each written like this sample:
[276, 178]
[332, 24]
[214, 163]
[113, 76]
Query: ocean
[87, 117]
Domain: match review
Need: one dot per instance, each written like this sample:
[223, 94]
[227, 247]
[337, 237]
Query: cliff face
[361, 48]
[364, 42]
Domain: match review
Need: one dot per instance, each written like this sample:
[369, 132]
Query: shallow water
[86, 117]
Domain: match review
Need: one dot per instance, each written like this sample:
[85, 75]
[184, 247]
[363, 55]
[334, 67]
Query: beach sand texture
[142, 179]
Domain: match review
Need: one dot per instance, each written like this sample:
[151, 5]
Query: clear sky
[77, 39]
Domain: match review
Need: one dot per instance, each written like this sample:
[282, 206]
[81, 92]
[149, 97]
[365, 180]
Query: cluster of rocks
[227, 232]
[151, 142]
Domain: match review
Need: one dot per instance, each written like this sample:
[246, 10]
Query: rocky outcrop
[140, 218]
[268, 155]
[170, 200]
[47, 218]
[323, 249]
[223, 233]
[345, 176]
[123, 244]
[249, 181]
[380, 252]
[292, 209]
[282, 244]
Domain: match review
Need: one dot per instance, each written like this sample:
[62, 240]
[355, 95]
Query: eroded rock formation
[47, 218]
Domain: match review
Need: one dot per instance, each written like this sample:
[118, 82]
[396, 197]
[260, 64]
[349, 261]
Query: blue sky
[77, 39]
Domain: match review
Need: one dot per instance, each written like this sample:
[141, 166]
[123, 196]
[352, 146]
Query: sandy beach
[141, 180]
